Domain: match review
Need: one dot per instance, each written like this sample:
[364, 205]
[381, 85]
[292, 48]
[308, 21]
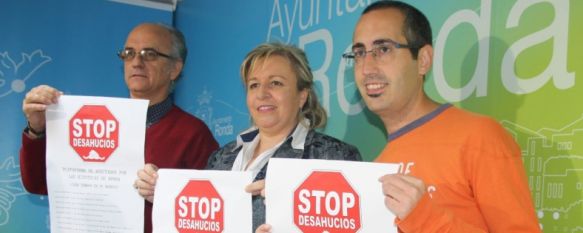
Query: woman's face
[273, 98]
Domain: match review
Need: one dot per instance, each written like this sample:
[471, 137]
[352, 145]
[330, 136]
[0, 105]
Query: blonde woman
[285, 112]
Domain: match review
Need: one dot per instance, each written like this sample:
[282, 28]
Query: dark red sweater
[178, 140]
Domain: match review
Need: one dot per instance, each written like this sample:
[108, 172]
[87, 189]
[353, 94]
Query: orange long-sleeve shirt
[473, 171]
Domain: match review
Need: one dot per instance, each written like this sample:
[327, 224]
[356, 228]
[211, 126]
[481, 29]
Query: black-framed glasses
[147, 54]
[380, 49]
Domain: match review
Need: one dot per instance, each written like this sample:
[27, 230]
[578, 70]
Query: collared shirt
[249, 140]
[157, 111]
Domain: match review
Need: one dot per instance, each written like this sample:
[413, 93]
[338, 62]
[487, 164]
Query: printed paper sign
[193, 201]
[95, 145]
[327, 196]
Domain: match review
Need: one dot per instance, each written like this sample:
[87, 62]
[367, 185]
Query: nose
[369, 64]
[263, 92]
[136, 61]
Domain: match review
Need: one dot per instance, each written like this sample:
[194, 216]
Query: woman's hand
[146, 182]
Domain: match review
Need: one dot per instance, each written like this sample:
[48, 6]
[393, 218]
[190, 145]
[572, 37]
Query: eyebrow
[269, 78]
[277, 76]
[147, 48]
[381, 41]
[358, 45]
[376, 42]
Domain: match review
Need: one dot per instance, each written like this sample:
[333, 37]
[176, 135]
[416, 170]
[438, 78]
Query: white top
[246, 153]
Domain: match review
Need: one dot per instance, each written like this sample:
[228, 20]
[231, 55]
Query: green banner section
[515, 61]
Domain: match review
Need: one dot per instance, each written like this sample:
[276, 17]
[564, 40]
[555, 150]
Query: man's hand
[146, 181]
[402, 193]
[35, 105]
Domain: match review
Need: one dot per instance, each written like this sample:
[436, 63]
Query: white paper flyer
[202, 201]
[327, 196]
[95, 145]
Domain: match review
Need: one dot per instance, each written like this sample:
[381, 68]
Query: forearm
[33, 165]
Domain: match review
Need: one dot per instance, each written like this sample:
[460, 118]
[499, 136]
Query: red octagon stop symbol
[198, 208]
[325, 201]
[94, 133]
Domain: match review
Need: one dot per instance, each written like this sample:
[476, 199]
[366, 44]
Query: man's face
[150, 79]
[389, 82]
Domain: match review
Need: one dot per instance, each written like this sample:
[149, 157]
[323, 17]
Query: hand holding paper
[146, 182]
[35, 104]
[256, 188]
[402, 193]
[264, 228]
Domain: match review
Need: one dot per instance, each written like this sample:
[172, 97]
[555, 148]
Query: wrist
[31, 131]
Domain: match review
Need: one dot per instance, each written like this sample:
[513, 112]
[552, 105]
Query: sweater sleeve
[499, 182]
[33, 165]
[201, 146]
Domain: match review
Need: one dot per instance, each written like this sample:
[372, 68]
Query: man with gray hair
[153, 57]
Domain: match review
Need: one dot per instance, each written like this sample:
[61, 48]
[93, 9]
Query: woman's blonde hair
[312, 110]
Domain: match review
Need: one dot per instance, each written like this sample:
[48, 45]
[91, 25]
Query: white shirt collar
[298, 136]
[248, 140]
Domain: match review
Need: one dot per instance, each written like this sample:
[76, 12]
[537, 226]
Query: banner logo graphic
[199, 208]
[94, 133]
[325, 202]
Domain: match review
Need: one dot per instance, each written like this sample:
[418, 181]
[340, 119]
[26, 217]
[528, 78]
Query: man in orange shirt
[462, 172]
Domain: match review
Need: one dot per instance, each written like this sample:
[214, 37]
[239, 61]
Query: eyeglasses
[379, 50]
[147, 54]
